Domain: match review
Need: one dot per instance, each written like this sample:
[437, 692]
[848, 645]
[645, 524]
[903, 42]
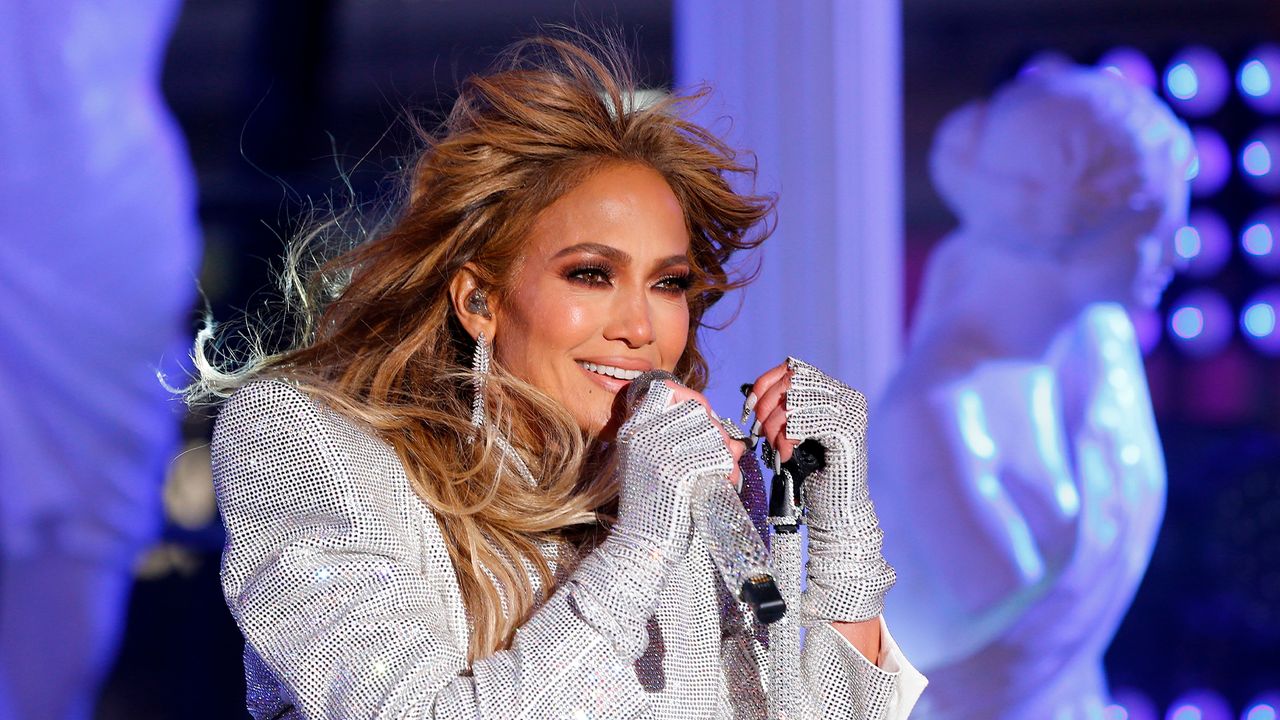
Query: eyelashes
[678, 282]
[596, 275]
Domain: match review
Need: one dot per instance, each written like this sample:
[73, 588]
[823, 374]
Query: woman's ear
[472, 303]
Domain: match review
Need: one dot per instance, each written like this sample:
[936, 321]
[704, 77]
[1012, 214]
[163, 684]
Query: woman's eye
[675, 283]
[590, 275]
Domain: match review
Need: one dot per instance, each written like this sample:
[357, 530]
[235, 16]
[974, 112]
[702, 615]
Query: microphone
[735, 547]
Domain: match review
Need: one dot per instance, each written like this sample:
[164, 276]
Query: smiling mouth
[609, 371]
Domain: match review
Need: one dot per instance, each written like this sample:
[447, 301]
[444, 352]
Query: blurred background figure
[1017, 463]
[98, 256]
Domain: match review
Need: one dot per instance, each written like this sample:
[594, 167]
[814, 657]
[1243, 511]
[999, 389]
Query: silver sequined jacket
[338, 577]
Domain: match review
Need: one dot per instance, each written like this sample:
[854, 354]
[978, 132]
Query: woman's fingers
[774, 429]
[769, 393]
[762, 383]
[681, 393]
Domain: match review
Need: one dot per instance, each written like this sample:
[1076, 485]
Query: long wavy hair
[377, 337]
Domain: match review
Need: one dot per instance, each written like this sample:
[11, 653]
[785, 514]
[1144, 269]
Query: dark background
[285, 103]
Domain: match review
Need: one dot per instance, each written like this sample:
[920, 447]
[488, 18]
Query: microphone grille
[637, 388]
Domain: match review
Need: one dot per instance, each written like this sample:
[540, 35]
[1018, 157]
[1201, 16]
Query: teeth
[611, 371]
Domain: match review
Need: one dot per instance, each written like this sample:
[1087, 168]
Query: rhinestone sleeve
[340, 581]
[848, 576]
[323, 574]
[668, 451]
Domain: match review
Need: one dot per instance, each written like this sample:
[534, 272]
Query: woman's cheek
[675, 333]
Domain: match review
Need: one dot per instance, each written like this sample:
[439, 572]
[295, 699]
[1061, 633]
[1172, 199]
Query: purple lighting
[1212, 166]
[1196, 81]
[1201, 323]
[1263, 707]
[1134, 704]
[1259, 79]
[1204, 244]
[1260, 159]
[1131, 64]
[1258, 321]
[1199, 705]
[1258, 239]
[1148, 328]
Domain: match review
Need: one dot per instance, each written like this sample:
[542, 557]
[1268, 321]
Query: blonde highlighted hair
[377, 337]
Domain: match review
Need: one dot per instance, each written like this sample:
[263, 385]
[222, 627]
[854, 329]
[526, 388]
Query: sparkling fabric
[339, 579]
[847, 573]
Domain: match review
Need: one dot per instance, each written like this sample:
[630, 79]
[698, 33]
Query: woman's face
[600, 294]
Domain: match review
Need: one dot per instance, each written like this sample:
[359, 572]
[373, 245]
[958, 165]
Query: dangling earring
[480, 371]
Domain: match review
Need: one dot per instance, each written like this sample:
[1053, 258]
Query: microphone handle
[732, 541]
[735, 546]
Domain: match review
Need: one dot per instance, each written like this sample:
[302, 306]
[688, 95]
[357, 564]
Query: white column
[813, 87]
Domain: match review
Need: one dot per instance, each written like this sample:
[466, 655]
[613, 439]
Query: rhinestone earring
[480, 371]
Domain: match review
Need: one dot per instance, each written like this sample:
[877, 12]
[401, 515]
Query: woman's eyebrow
[607, 251]
[672, 260]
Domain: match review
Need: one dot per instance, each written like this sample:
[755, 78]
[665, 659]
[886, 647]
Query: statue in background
[1016, 460]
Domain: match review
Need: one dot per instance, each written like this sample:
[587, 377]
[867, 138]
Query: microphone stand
[786, 516]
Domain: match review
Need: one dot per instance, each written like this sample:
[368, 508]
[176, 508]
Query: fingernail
[745, 388]
[748, 406]
[756, 427]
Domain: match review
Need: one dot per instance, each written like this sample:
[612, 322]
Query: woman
[1016, 449]
[410, 538]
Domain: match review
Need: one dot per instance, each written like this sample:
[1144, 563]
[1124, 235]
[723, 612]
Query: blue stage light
[1258, 239]
[1196, 81]
[1181, 81]
[1260, 159]
[1187, 322]
[1256, 158]
[1131, 64]
[1115, 712]
[1203, 246]
[1260, 711]
[1201, 323]
[1259, 79]
[1186, 242]
[1200, 705]
[1255, 79]
[1258, 321]
[1212, 166]
[1135, 704]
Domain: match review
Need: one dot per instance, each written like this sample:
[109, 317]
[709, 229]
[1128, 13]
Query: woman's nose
[631, 322]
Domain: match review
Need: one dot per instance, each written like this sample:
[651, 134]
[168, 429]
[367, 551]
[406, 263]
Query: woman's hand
[671, 437]
[793, 402]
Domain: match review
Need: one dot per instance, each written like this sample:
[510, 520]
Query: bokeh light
[1199, 705]
[1203, 245]
[1258, 320]
[1201, 323]
[1115, 712]
[1135, 704]
[1263, 707]
[1212, 166]
[1259, 79]
[1131, 64]
[1259, 237]
[1196, 81]
[1260, 159]
[1259, 711]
